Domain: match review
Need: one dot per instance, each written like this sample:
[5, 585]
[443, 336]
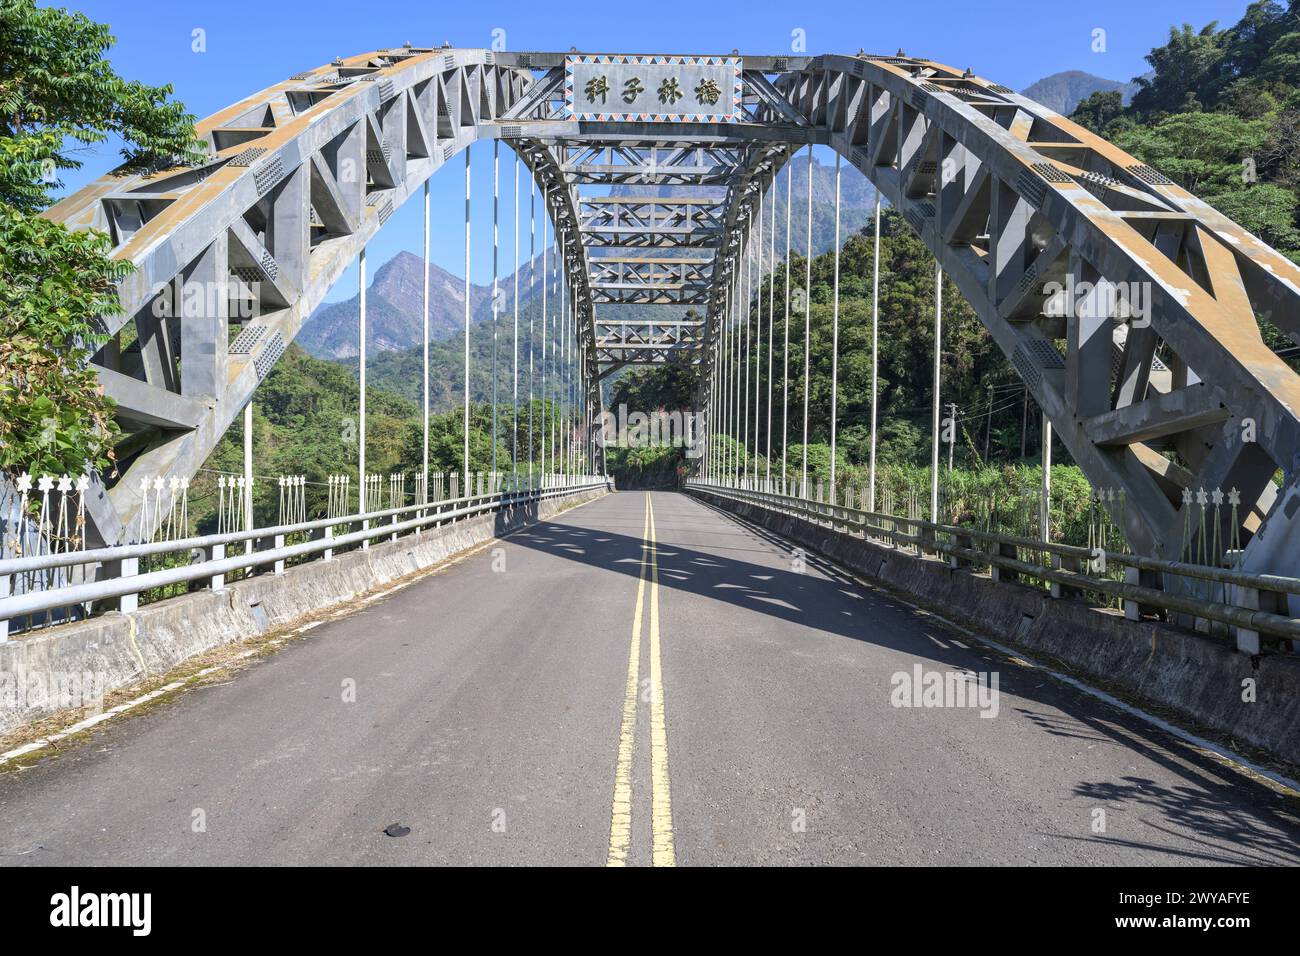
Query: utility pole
[938, 366]
[1045, 495]
[1024, 423]
[952, 431]
[988, 426]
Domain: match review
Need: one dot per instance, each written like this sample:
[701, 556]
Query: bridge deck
[486, 696]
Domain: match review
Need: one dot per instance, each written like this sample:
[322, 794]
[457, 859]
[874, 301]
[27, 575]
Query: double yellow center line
[661, 806]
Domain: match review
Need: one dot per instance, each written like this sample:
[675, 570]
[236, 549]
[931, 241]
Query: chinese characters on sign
[653, 88]
[597, 86]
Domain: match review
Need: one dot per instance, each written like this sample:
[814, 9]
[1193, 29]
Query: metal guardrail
[118, 566]
[1245, 595]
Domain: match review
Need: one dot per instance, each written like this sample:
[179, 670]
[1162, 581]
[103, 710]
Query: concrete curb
[71, 665]
[1194, 675]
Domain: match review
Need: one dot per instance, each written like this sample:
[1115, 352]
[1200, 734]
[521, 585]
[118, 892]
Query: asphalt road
[495, 709]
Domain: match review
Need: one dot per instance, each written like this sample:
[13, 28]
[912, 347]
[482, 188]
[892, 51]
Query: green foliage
[1098, 110]
[55, 85]
[402, 372]
[305, 423]
[1267, 210]
[1184, 67]
[668, 388]
[53, 285]
[654, 466]
[819, 463]
[1203, 152]
[971, 360]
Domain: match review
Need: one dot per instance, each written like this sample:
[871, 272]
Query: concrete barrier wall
[1197, 676]
[72, 664]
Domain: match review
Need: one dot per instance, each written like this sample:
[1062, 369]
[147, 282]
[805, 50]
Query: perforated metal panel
[248, 156]
[1028, 279]
[1031, 187]
[246, 339]
[268, 174]
[1098, 178]
[1045, 353]
[1052, 173]
[1096, 183]
[1032, 356]
[269, 265]
[1150, 176]
[269, 355]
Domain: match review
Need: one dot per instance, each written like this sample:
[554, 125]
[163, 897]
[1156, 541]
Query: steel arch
[302, 175]
[1009, 196]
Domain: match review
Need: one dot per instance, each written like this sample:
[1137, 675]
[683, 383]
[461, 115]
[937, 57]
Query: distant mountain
[394, 309]
[1062, 92]
[394, 315]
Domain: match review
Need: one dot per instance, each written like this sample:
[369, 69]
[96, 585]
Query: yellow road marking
[661, 804]
[620, 826]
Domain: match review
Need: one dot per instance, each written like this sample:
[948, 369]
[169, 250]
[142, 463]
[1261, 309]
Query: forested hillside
[305, 423]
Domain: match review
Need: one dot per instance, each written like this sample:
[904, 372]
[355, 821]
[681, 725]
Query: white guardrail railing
[1244, 605]
[112, 574]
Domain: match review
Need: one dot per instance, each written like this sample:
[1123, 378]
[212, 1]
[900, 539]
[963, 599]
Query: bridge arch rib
[1008, 195]
[1013, 198]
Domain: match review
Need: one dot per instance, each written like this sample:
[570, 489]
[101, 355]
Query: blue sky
[251, 44]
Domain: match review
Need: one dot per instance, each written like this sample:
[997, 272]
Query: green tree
[53, 284]
[1202, 152]
[1098, 110]
[1251, 48]
[1182, 68]
[670, 388]
[56, 86]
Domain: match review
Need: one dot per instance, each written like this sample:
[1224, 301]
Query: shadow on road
[1250, 821]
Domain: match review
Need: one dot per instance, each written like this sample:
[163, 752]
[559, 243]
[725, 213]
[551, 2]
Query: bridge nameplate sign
[652, 89]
